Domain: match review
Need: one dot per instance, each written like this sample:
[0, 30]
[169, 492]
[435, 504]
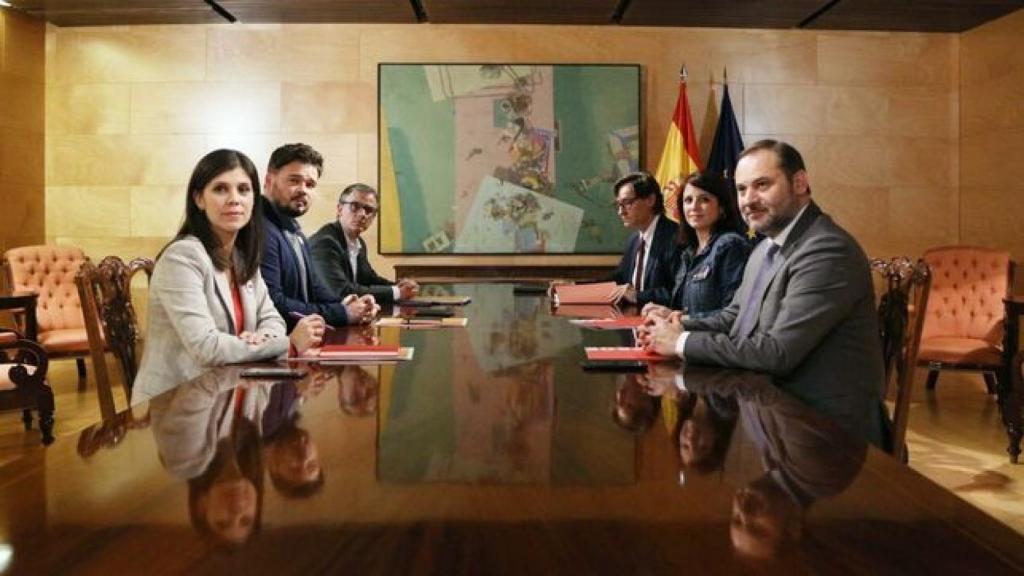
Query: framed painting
[505, 158]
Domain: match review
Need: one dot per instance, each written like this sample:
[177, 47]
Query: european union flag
[728, 144]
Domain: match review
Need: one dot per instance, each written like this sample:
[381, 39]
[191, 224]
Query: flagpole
[682, 74]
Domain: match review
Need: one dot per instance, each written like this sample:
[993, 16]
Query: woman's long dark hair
[245, 447]
[728, 215]
[249, 243]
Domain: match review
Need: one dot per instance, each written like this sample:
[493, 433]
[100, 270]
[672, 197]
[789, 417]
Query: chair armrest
[24, 304]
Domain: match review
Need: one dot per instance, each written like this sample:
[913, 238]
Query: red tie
[638, 275]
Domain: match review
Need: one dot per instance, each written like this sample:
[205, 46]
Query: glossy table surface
[491, 452]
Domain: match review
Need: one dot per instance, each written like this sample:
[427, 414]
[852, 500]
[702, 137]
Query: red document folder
[600, 293]
[624, 353]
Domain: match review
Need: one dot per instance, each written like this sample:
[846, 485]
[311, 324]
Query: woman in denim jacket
[714, 252]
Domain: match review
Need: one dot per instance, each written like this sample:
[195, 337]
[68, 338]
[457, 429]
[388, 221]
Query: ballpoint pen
[300, 316]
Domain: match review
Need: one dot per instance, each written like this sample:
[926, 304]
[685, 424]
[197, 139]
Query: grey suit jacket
[816, 333]
[190, 325]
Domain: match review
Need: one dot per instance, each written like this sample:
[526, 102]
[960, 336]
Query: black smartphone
[273, 372]
[614, 365]
[433, 312]
[530, 289]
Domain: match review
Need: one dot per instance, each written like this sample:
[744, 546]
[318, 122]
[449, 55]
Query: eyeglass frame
[370, 211]
[626, 204]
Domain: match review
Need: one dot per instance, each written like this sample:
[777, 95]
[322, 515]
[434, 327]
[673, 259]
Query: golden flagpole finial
[683, 74]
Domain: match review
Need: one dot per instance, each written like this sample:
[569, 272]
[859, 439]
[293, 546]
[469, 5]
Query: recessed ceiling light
[5, 3]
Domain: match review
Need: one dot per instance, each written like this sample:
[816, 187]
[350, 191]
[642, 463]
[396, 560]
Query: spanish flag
[681, 155]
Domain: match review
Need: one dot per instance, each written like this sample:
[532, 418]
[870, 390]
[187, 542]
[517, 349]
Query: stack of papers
[600, 293]
[623, 323]
[441, 300]
[422, 322]
[624, 353]
[356, 354]
[587, 311]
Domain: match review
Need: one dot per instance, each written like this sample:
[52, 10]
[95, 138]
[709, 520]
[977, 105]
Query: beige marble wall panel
[88, 211]
[98, 247]
[811, 88]
[23, 46]
[888, 59]
[857, 111]
[862, 210]
[923, 112]
[22, 105]
[922, 218]
[764, 56]
[989, 218]
[21, 160]
[776, 108]
[22, 215]
[204, 108]
[994, 104]
[88, 109]
[290, 53]
[129, 54]
[22, 122]
[992, 133]
[366, 159]
[993, 50]
[156, 210]
[915, 162]
[122, 160]
[986, 160]
[329, 107]
[257, 147]
[850, 161]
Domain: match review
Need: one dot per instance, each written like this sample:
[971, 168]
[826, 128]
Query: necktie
[752, 307]
[638, 275]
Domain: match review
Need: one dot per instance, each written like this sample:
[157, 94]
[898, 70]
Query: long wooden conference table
[491, 452]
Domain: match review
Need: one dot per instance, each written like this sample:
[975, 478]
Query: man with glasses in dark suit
[339, 252]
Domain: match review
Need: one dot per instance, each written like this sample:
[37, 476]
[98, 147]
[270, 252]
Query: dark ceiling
[889, 15]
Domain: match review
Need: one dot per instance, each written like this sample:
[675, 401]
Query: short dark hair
[644, 185]
[357, 187]
[300, 152]
[249, 242]
[790, 160]
[729, 219]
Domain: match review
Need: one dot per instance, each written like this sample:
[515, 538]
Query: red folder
[600, 293]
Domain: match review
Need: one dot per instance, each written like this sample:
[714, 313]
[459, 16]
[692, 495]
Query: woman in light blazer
[208, 304]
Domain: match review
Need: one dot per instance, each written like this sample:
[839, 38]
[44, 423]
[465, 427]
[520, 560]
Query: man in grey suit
[805, 311]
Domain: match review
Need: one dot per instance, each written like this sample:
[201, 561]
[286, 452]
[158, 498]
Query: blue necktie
[752, 307]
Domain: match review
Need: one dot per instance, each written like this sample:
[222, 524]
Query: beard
[290, 211]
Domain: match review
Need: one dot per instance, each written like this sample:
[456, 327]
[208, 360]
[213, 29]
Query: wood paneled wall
[22, 72]
[992, 135]
[130, 110]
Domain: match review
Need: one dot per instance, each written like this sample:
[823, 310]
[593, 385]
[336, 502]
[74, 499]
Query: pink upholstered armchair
[964, 326]
[49, 271]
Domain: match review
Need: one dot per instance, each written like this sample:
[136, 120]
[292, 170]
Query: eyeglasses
[624, 205]
[357, 206]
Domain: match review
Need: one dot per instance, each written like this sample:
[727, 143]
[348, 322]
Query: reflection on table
[492, 451]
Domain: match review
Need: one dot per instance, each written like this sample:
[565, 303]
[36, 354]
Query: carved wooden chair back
[110, 317]
[901, 314]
